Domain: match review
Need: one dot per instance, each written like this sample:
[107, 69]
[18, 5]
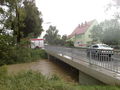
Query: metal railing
[107, 59]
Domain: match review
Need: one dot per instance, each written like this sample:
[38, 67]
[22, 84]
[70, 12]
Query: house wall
[88, 40]
[82, 40]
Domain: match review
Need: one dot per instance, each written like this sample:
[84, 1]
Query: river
[46, 67]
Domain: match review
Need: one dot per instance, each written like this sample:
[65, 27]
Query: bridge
[94, 67]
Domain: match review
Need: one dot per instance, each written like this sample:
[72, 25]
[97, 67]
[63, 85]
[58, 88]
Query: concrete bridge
[93, 68]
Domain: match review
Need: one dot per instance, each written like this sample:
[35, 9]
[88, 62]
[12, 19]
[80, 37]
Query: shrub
[10, 53]
[6, 47]
[27, 55]
[3, 71]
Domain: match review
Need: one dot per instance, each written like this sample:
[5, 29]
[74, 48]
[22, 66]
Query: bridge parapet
[108, 65]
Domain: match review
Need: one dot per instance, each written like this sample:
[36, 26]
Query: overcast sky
[67, 14]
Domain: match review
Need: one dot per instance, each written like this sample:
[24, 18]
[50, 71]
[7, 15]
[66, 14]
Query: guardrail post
[71, 53]
[90, 58]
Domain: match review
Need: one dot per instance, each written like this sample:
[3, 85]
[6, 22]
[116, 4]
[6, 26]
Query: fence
[107, 59]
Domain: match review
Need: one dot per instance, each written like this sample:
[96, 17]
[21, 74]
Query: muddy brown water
[46, 67]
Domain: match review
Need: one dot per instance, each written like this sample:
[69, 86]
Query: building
[81, 35]
[37, 43]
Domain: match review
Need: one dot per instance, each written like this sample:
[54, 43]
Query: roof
[80, 29]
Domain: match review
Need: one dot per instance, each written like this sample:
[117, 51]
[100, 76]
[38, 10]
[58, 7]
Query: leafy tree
[32, 21]
[52, 37]
[22, 17]
[63, 40]
[107, 32]
[96, 33]
[13, 17]
[112, 32]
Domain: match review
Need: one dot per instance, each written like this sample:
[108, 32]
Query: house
[81, 35]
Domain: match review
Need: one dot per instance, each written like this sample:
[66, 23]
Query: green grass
[31, 80]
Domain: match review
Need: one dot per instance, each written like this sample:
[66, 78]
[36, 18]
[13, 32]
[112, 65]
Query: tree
[63, 40]
[107, 32]
[13, 17]
[33, 20]
[111, 34]
[52, 37]
[96, 33]
[22, 17]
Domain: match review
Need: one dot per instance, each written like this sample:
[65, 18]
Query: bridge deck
[85, 65]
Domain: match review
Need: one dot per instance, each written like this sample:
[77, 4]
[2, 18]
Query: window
[95, 46]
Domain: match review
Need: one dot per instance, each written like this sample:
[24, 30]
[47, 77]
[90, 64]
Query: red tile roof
[80, 29]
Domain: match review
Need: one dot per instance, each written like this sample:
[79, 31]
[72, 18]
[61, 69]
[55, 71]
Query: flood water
[46, 67]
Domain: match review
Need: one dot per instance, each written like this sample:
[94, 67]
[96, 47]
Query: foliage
[33, 20]
[13, 17]
[11, 53]
[52, 37]
[6, 47]
[22, 54]
[69, 43]
[96, 33]
[21, 17]
[107, 32]
[63, 40]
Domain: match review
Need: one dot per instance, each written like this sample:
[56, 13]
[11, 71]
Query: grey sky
[67, 14]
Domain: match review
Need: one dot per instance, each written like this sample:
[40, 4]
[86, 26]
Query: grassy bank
[31, 80]
[21, 55]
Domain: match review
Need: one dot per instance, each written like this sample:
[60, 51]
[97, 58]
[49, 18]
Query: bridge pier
[50, 57]
[85, 79]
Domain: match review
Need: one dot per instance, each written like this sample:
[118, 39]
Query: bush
[27, 55]
[11, 53]
[6, 47]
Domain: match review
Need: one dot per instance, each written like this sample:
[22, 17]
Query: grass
[31, 80]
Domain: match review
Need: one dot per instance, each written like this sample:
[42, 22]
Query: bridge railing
[107, 59]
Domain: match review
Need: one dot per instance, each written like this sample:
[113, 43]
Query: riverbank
[45, 67]
[33, 80]
[21, 55]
